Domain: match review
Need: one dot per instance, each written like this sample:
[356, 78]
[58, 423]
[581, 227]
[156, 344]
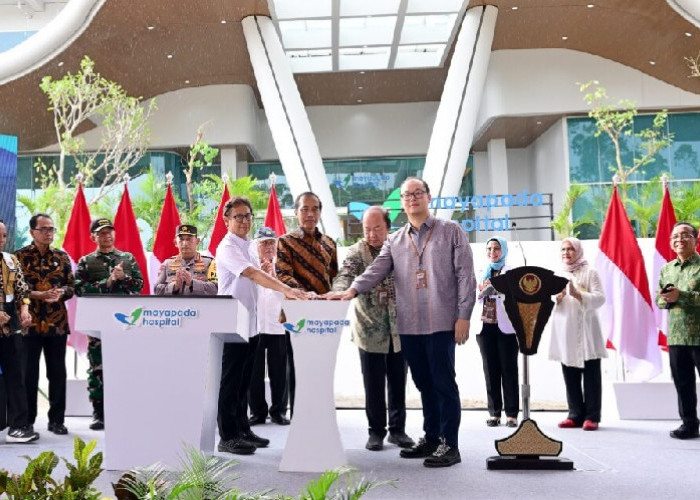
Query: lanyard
[425, 244]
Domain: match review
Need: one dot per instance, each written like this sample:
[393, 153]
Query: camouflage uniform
[91, 278]
[202, 268]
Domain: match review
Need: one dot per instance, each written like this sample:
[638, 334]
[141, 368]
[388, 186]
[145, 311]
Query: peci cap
[188, 229]
[99, 224]
[264, 233]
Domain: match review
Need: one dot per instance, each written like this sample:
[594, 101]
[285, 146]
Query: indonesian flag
[128, 238]
[273, 217]
[627, 311]
[219, 230]
[77, 243]
[662, 255]
[164, 244]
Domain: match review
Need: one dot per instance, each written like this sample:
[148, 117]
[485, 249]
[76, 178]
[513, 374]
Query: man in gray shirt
[435, 294]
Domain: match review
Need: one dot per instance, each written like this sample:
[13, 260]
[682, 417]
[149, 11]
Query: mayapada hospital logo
[163, 318]
[317, 326]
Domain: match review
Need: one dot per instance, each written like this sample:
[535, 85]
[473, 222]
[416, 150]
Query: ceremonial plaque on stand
[528, 302]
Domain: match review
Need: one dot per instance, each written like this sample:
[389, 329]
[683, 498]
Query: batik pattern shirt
[13, 289]
[94, 269]
[308, 262]
[373, 323]
[43, 272]
[683, 315]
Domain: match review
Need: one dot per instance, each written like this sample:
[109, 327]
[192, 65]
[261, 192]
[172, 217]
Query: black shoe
[444, 456]
[21, 435]
[421, 450]
[511, 422]
[684, 432]
[237, 447]
[279, 420]
[57, 428]
[254, 439]
[98, 424]
[256, 420]
[374, 443]
[493, 421]
[401, 440]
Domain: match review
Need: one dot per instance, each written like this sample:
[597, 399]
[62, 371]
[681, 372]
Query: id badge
[383, 297]
[421, 279]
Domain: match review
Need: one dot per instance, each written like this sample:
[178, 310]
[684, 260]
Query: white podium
[313, 443]
[162, 368]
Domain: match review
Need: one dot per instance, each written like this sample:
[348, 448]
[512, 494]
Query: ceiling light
[539, 122]
[60, 63]
[565, 38]
[151, 28]
[514, 7]
[360, 87]
[653, 63]
[590, 5]
[187, 82]
[362, 72]
[359, 100]
[688, 34]
[170, 56]
[223, 21]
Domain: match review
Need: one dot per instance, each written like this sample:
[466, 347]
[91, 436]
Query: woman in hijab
[577, 340]
[497, 341]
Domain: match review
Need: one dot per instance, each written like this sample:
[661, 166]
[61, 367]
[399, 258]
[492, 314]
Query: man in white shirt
[271, 341]
[239, 275]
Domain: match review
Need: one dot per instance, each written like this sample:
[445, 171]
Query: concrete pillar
[453, 131]
[228, 162]
[291, 131]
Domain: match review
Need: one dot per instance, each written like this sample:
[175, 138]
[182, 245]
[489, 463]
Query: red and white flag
[627, 314]
[273, 217]
[128, 237]
[662, 255]
[219, 231]
[164, 243]
[77, 243]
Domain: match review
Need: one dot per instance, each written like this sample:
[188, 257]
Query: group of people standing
[415, 290]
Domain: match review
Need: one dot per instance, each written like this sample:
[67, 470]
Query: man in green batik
[104, 271]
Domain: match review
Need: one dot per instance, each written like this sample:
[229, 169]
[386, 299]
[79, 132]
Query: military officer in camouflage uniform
[188, 273]
[104, 271]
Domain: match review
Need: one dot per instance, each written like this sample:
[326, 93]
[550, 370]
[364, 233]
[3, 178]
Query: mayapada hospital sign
[489, 201]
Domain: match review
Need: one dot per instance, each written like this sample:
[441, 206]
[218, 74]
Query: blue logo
[295, 329]
[131, 319]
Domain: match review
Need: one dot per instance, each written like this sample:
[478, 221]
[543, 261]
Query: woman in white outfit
[577, 341]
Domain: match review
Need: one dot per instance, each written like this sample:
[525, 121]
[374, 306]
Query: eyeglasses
[681, 236]
[45, 230]
[416, 195]
[242, 217]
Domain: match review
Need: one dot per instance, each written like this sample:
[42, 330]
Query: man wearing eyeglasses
[435, 294]
[48, 274]
[240, 275]
[679, 291]
[306, 259]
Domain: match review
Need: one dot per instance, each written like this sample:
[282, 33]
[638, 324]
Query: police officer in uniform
[104, 271]
[189, 272]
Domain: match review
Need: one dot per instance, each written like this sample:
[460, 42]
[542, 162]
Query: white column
[453, 131]
[228, 162]
[291, 131]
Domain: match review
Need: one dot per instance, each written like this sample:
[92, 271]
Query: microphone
[517, 238]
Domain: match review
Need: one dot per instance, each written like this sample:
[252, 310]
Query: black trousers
[384, 375]
[499, 356]
[54, 348]
[684, 361]
[431, 359]
[236, 369]
[584, 401]
[275, 346]
[291, 377]
[11, 353]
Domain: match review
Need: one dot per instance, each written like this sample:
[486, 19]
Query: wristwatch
[26, 301]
